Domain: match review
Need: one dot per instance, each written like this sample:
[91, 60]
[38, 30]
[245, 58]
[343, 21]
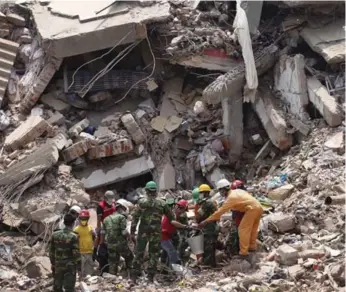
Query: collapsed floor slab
[96, 177]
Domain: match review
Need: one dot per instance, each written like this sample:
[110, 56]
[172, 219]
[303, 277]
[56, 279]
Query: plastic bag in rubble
[277, 182]
[199, 107]
[242, 33]
[4, 120]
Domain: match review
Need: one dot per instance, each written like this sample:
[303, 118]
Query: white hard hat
[223, 183]
[76, 209]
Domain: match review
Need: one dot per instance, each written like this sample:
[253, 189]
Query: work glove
[94, 254]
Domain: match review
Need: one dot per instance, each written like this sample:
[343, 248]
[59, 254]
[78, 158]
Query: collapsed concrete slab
[325, 103]
[327, 40]
[167, 176]
[39, 161]
[28, 131]
[290, 80]
[272, 118]
[172, 88]
[68, 30]
[115, 172]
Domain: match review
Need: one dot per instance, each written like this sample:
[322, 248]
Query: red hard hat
[84, 214]
[183, 203]
[236, 184]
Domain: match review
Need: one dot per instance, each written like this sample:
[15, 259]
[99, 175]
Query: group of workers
[163, 225]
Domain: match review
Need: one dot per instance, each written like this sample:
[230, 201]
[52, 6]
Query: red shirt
[106, 211]
[167, 229]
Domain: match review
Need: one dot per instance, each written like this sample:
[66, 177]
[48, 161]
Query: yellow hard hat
[204, 188]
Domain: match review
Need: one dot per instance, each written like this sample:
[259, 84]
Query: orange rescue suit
[242, 201]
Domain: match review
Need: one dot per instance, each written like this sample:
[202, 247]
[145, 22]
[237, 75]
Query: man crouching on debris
[210, 230]
[149, 212]
[241, 201]
[114, 232]
[65, 257]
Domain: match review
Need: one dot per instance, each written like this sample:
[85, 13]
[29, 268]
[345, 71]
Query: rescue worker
[105, 208]
[65, 257]
[210, 229]
[74, 211]
[181, 216]
[242, 201]
[87, 237]
[114, 232]
[170, 241]
[149, 212]
[195, 198]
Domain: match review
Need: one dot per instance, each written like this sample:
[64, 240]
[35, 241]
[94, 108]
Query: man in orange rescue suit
[242, 201]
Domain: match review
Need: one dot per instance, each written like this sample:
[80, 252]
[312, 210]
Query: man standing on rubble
[74, 211]
[241, 201]
[105, 208]
[65, 257]
[149, 212]
[115, 233]
[210, 230]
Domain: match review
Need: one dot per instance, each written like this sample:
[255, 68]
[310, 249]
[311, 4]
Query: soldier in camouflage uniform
[65, 257]
[149, 211]
[116, 235]
[210, 230]
[180, 241]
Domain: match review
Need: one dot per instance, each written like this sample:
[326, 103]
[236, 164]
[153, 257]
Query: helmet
[120, 203]
[204, 188]
[109, 195]
[223, 183]
[195, 194]
[237, 184]
[76, 209]
[183, 203]
[151, 186]
[84, 214]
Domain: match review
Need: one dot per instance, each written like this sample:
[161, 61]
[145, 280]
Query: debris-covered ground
[182, 92]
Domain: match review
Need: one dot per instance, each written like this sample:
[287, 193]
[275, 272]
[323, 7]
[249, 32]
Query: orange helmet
[237, 184]
[84, 214]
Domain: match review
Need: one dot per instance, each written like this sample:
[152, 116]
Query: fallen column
[272, 118]
[325, 104]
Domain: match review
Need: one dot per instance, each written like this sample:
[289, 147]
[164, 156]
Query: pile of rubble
[69, 133]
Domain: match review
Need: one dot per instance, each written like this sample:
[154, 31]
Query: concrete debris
[133, 128]
[288, 255]
[336, 142]
[51, 100]
[4, 121]
[325, 104]
[15, 19]
[79, 127]
[290, 80]
[118, 147]
[327, 40]
[281, 193]
[31, 129]
[282, 222]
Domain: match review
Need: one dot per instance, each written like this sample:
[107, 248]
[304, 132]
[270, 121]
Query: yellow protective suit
[242, 201]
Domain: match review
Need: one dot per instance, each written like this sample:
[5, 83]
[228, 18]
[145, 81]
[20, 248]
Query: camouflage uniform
[181, 242]
[115, 232]
[210, 231]
[149, 211]
[65, 259]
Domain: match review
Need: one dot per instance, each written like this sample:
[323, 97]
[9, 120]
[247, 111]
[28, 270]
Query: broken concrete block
[288, 255]
[327, 40]
[290, 80]
[133, 128]
[173, 123]
[4, 121]
[296, 271]
[118, 147]
[282, 223]
[4, 32]
[167, 177]
[15, 19]
[281, 193]
[214, 176]
[115, 172]
[40, 214]
[56, 119]
[51, 100]
[79, 127]
[38, 267]
[300, 126]
[76, 150]
[257, 139]
[158, 123]
[171, 88]
[28, 131]
[336, 142]
[325, 104]
[272, 118]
